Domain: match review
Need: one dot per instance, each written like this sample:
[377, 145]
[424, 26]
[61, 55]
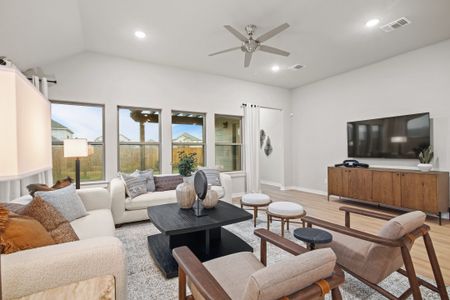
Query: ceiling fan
[250, 45]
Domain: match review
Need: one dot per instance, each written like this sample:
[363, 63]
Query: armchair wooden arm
[363, 212]
[190, 265]
[352, 232]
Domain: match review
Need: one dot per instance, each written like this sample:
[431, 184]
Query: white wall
[95, 78]
[418, 81]
[271, 121]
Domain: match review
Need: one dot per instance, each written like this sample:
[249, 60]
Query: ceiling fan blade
[273, 50]
[247, 59]
[236, 33]
[223, 51]
[272, 33]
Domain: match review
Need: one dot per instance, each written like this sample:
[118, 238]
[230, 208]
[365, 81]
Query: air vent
[296, 67]
[395, 25]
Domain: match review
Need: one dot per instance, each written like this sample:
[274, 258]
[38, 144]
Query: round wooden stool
[255, 200]
[284, 211]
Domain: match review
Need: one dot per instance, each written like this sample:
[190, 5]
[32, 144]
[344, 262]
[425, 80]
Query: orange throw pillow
[21, 233]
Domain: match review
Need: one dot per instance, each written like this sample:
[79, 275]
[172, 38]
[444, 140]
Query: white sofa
[126, 210]
[97, 253]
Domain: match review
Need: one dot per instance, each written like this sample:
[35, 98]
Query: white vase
[425, 167]
[211, 199]
[185, 195]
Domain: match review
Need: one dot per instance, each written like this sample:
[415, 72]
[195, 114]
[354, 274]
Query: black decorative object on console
[352, 163]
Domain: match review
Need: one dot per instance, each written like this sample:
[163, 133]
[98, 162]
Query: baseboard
[307, 190]
[271, 183]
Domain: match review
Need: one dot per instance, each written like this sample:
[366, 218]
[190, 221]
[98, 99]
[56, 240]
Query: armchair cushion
[232, 272]
[401, 225]
[290, 275]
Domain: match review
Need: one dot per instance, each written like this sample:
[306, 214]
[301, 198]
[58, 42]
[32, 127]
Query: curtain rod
[260, 106]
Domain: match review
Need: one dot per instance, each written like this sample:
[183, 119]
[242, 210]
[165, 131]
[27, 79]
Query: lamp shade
[25, 130]
[75, 148]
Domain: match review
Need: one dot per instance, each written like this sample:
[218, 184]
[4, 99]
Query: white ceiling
[327, 36]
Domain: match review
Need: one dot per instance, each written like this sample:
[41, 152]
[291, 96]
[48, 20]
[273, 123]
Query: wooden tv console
[425, 191]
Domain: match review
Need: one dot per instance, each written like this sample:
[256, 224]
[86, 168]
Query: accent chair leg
[411, 273]
[435, 267]
[336, 294]
[181, 284]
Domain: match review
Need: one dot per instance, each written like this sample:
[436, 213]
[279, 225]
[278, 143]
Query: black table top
[313, 235]
[170, 219]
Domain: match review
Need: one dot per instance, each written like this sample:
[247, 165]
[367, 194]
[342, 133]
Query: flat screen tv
[393, 137]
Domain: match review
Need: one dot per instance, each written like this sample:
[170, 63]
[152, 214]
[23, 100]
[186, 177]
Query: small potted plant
[187, 164]
[185, 191]
[425, 158]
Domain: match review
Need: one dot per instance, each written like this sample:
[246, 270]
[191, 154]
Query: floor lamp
[76, 148]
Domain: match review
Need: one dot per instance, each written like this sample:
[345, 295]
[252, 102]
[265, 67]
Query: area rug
[145, 281]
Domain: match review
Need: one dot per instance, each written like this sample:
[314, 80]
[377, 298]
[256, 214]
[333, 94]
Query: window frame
[139, 143]
[203, 143]
[76, 103]
[241, 144]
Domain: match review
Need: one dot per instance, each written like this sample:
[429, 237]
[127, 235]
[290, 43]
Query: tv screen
[393, 137]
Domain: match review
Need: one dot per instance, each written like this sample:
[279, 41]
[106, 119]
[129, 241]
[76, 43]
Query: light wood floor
[318, 206]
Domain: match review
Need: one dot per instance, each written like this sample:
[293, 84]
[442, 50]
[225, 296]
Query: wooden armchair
[307, 275]
[372, 258]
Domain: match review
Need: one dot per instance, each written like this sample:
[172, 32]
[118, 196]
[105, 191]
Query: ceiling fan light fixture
[275, 68]
[140, 34]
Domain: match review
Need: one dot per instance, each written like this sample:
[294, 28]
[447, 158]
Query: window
[228, 143]
[78, 121]
[188, 135]
[139, 139]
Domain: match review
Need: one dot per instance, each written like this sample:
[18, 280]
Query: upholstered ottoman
[255, 200]
[284, 211]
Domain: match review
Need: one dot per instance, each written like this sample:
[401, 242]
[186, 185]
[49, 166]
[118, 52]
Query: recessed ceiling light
[140, 34]
[372, 23]
[275, 68]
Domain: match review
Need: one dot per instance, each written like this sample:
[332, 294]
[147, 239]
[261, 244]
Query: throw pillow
[135, 186]
[21, 233]
[167, 183]
[66, 201]
[35, 187]
[53, 221]
[148, 175]
[212, 175]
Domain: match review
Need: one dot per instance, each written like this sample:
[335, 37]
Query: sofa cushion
[219, 190]
[150, 199]
[66, 201]
[96, 223]
[167, 182]
[52, 220]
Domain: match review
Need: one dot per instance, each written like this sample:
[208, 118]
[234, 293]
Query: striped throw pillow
[135, 186]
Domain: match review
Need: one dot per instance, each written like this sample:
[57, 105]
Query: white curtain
[251, 142]
[13, 189]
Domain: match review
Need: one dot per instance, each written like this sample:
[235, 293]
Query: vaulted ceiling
[326, 36]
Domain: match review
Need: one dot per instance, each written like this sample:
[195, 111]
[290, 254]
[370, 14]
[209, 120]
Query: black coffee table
[203, 235]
